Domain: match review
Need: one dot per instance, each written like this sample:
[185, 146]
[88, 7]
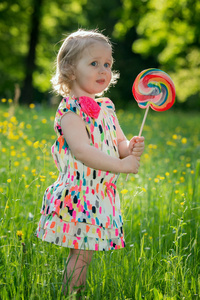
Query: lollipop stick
[144, 119]
[141, 128]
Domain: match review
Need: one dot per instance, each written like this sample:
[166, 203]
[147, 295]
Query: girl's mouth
[101, 81]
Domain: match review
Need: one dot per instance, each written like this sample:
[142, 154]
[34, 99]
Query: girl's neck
[77, 96]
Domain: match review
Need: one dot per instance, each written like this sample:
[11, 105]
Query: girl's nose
[102, 69]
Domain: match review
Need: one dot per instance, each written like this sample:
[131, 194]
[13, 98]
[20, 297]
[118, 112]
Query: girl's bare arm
[76, 136]
[125, 147]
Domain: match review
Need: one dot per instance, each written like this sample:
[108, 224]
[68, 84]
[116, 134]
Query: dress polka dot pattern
[81, 210]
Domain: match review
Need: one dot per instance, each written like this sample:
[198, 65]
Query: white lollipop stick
[141, 128]
[144, 119]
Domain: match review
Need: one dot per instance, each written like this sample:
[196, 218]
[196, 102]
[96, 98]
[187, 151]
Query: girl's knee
[83, 255]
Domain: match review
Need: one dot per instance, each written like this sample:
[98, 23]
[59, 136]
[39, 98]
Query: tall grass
[160, 205]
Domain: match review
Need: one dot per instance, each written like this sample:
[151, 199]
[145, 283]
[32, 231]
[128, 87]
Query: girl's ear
[73, 77]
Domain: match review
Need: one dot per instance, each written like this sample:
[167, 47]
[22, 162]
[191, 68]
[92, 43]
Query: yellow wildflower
[174, 136]
[188, 165]
[156, 180]
[32, 105]
[13, 119]
[13, 153]
[9, 180]
[124, 191]
[3, 100]
[19, 234]
[176, 192]
[29, 143]
[6, 115]
[44, 121]
[184, 141]
[36, 144]
[170, 143]
[167, 173]
[151, 146]
[175, 171]
[144, 190]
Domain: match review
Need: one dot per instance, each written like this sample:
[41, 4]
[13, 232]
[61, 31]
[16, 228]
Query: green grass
[160, 205]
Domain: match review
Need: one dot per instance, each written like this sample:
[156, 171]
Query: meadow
[160, 206]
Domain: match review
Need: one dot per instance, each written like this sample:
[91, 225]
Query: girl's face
[92, 72]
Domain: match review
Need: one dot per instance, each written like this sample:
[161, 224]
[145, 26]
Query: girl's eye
[106, 65]
[94, 63]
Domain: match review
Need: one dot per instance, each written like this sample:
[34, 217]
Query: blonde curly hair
[69, 54]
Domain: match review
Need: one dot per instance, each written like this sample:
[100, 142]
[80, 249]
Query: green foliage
[160, 207]
[59, 18]
[14, 20]
[170, 31]
[145, 33]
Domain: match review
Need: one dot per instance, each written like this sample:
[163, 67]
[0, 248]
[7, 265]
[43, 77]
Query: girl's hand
[136, 146]
[130, 164]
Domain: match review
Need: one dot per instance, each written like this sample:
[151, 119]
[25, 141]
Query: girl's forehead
[98, 49]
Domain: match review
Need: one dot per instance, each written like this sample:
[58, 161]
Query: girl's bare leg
[76, 270]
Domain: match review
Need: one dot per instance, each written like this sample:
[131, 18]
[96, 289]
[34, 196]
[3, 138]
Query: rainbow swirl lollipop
[154, 88]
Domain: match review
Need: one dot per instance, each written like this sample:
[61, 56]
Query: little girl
[81, 210]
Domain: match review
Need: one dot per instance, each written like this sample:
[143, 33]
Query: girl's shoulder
[67, 103]
[106, 102]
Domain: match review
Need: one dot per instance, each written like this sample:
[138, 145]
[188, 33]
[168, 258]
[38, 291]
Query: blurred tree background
[145, 33]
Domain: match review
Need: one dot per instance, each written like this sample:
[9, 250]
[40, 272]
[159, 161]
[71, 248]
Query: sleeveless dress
[81, 210]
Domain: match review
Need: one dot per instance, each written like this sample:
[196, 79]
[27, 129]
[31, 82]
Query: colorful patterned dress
[81, 210]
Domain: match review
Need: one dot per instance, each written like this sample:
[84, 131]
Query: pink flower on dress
[89, 106]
